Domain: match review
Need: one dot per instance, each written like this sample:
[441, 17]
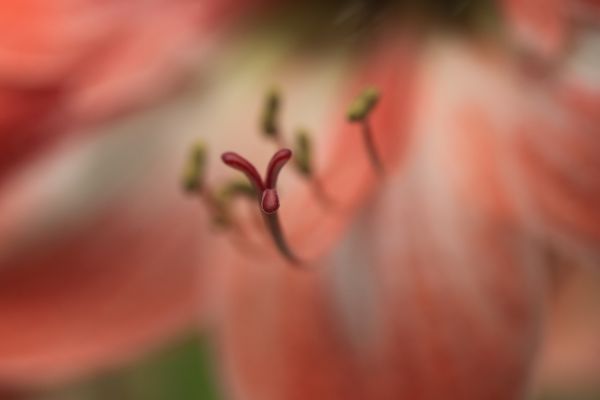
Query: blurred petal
[101, 255]
[558, 141]
[546, 26]
[104, 293]
[109, 269]
[570, 359]
[426, 290]
[68, 62]
[539, 25]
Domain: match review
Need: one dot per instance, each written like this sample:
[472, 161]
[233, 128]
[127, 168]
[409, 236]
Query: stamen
[195, 168]
[359, 112]
[270, 116]
[363, 105]
[238, 188]
[219, 207]
[220, 202]
[302, 160]
[217, 202]
[267, 197]
[303, 153]
[304, 164]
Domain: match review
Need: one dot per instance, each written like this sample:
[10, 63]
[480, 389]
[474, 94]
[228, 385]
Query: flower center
[264, 191]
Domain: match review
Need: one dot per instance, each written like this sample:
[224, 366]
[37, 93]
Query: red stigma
[270, 201]
[238, 162]
[277, 162]
[267, 193]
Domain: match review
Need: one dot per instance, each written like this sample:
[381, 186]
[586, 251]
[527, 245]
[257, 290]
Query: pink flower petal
[66, 63]
[540, 25]
[117, 274]
[570, 358]
[428, 294]
[557, 147]
[546, 27]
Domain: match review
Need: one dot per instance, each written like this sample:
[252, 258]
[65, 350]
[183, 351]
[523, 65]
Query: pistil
[267, 197]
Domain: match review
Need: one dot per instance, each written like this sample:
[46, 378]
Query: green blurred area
[182, 371]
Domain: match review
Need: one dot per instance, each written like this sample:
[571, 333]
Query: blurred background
[117, 283]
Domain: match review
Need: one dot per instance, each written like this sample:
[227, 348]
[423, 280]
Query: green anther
[239, 188]
[193, 175]
[363, 105]
[224, 197]
[303, 152]
[270, 115]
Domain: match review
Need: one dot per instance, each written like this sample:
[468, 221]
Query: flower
[413, 281]
[425, 286]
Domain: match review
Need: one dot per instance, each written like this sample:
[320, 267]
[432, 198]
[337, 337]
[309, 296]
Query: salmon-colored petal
[71, 62]
[424, 291]
[24, 124]
[101, 255]
[558, 142]
[396, 311]
[547, 26]
[117, 271]
[42, 42]
[537, 166]
[562, 172]
[570, 353]
[97, 297]
[140, 60]
[538, 24]
[348, 176]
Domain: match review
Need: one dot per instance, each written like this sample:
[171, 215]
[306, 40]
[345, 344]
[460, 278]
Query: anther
[238, 188]
[220, 204]
[193, 180]
[217, 202]
[266, 193]
[220, 201]
[363, 105]
[195, 168]
[359, 112]
[270, 116]
[303, 152]
[303, 160]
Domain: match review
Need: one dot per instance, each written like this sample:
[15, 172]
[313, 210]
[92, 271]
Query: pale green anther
[223, 198]
[303, 152]
[363, 105]
[270, 115]
[193, 174]
[239, 188]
